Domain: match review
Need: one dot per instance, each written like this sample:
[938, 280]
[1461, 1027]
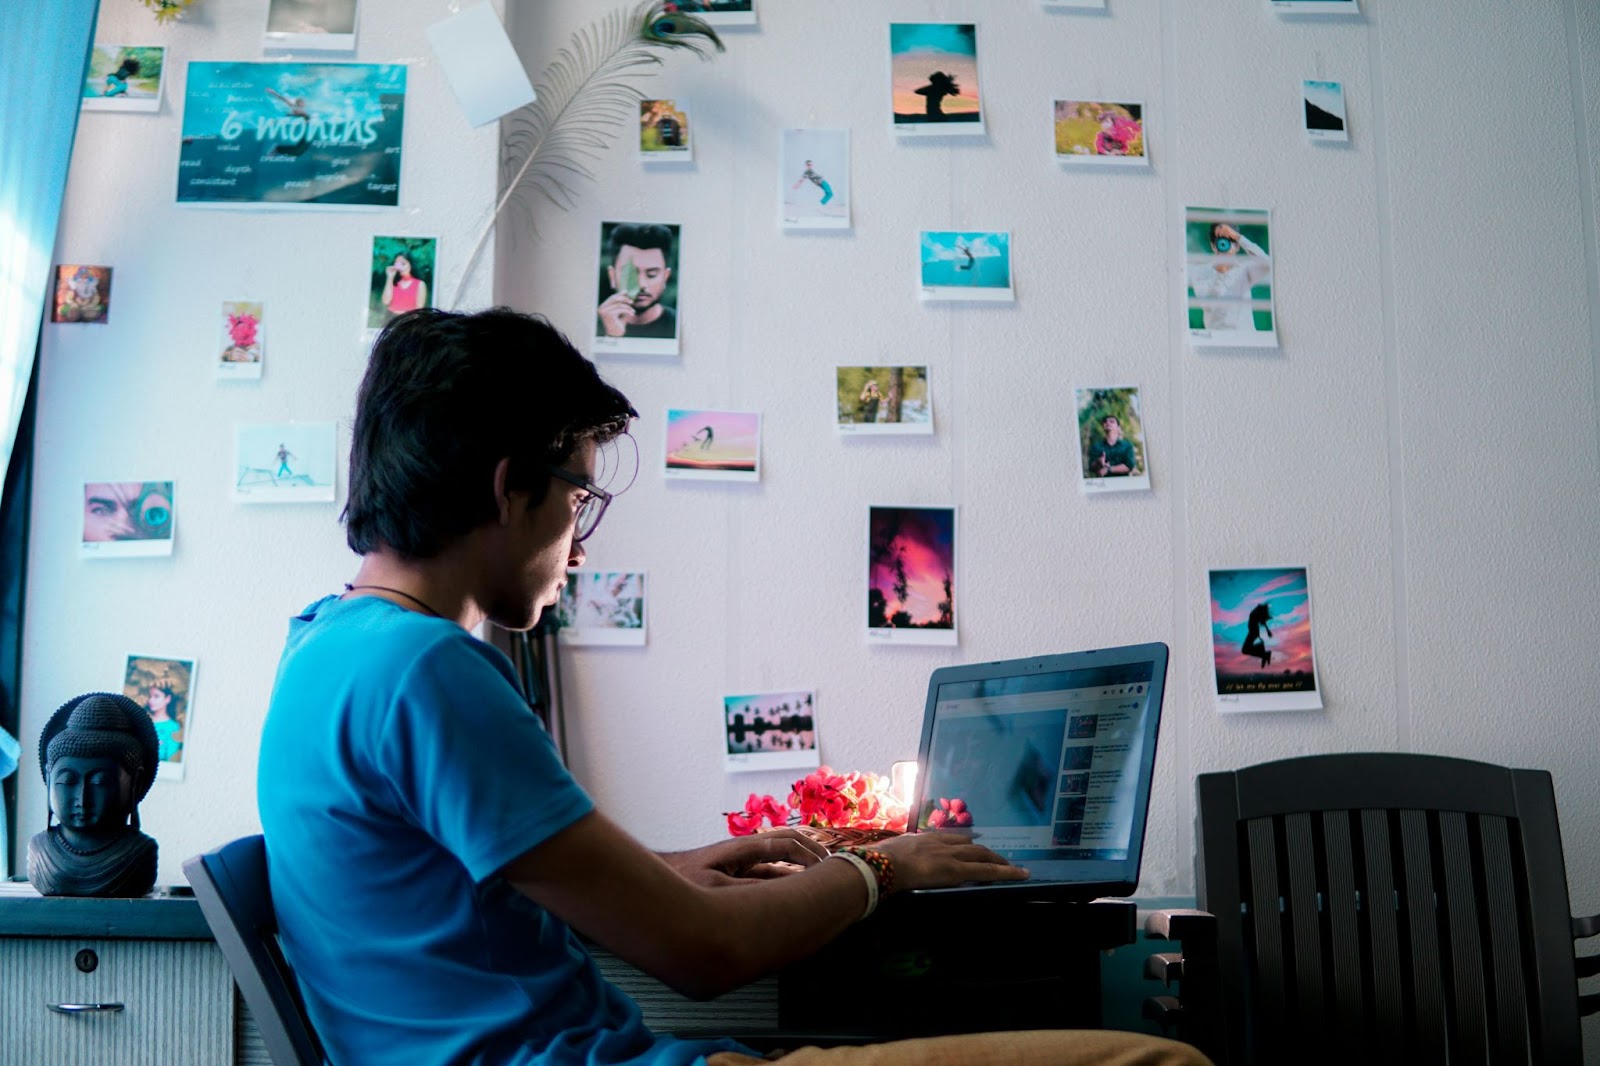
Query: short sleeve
[469, 760]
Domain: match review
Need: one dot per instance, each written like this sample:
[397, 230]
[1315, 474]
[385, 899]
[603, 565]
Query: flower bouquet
[834, 809]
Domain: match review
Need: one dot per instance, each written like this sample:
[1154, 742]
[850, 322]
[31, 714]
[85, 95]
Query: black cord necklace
[385, 588]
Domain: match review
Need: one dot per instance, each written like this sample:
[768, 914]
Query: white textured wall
[1425, 440]
[137, 399]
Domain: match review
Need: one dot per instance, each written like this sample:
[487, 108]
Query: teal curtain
[44, 57]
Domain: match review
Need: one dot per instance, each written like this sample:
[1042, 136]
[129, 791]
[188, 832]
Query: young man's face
[1113, 430]
[653, 274]
[540, 547]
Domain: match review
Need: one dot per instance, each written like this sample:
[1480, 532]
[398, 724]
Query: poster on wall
[164, 687]
[124, 78]
[722, 12]
[284, 462]
[311, 25]
[1261, 640]
[1111, 444]
[911, 567]
[603, 607]
[713, 445]
[1229, 278]
[1099, 133]
[933, 74]
[965, 266]
[1324, 111]
[664, 133]
[770, 731]
[292, 135]
[244, 340]
[83, 294]
[814, 179]
[127, 518]
[638, 289]
[400, 277]
[1317, 7]
[878, 400]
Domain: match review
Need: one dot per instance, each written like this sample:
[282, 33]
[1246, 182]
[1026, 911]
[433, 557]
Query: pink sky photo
[736, 435]
[910, 72]
[928, 556]
[1286, 594]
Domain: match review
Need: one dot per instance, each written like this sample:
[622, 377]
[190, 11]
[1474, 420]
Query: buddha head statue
[98, 755]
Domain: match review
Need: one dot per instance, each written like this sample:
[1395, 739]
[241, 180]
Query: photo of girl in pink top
[401, 277]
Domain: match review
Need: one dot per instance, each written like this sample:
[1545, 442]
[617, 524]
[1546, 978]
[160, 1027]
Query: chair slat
[1509, 1022]
[1267, 922]
[1383, 930]
[1339, 904]
[1305, 922]
[1459, 913]
[1429, 1036]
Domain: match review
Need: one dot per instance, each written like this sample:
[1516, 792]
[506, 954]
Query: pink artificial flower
[741, 824]
[242, 328]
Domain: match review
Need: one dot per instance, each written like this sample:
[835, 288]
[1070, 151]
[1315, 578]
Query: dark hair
[1109, 417]
[446, 396]
[640, 235]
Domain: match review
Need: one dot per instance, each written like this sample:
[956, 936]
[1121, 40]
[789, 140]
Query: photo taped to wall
[878, 400]
[284, 462]
[164, 687]
[911, 575]
[311, 25]
[706, 445]
[124, 78]
[127, 518]
[1100, 133]
[83, 294]
[637, 312]
[814, 179]
[400, 277]
[602, 607]
[770, 731]
[1261, 639]
[933, 75]
[664, 132]
[965, 265]
[1111, 444]
[1324, 111]
[243, 344]
[1229, 278]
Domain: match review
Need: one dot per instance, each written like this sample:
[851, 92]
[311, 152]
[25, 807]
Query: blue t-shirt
[400, 769]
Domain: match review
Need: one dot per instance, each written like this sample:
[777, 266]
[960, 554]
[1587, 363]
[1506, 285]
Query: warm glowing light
[903, 780]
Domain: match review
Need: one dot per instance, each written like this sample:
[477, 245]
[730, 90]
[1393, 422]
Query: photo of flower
[1092, 132]
[602, 607]
[243, 339]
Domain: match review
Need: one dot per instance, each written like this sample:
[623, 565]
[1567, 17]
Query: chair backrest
[1376, 908]
[231, 886]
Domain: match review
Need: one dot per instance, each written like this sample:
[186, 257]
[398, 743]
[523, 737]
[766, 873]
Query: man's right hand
[939, 859]
[617, 314]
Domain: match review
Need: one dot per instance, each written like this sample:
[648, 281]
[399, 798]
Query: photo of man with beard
[636, 288]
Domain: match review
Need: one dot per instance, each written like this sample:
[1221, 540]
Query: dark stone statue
[98, 754]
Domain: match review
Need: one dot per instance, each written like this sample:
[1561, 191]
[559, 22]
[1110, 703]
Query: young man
[1113, 456]
[431, 858]
[636, 310]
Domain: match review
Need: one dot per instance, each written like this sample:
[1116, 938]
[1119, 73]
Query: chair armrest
[1185, 924]
[1165, 967]
[1585, 927]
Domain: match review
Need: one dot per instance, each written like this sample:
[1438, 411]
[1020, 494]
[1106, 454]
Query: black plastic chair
[1378, 908]
[231, 885]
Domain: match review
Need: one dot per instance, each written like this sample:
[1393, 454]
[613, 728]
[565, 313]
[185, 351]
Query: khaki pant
[1039, 1047]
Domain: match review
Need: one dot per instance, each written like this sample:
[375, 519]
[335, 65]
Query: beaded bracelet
[868, 875]
[882, 867]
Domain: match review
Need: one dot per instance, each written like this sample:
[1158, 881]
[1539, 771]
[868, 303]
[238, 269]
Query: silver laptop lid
[1047, 760]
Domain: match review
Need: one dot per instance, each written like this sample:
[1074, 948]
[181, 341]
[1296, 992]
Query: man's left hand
[777, 853]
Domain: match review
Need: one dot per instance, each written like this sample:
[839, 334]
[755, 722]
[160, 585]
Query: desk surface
[23, 912]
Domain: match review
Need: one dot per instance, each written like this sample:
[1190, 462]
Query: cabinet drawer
[177, 999]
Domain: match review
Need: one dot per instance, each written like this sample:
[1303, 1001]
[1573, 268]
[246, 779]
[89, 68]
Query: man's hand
[939, 859]
[762, 855]
[617, 314]
[1101, 466]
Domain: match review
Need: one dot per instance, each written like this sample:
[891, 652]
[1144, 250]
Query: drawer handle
[85, 1008]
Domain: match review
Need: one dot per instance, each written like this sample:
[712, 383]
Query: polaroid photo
[713, 445]
[310, 26]
[284, 462]
[1316, 7]
[400, 277]
[1228, 278]
[1324, 110]
[1111, 448]
[770, 731]
[965, 265]
[933, 76]
[603, 607]
[83, 294]
[243, 344]
[122, 78]
[481, 64]
[882, 400]
[164, 687]
[637, 312]
[127, 518]
[722, 12]
[911, 573]
[1074, 5]
[664, 134]
[1100, 133]
[814, 179]
[1261, 640]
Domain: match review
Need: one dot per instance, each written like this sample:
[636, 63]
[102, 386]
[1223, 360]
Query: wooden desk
[154, 956]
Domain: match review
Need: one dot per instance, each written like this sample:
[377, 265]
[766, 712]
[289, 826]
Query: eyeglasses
[590, 510]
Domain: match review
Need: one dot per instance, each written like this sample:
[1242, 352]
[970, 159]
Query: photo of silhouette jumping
[713, 445]
[1261, 640]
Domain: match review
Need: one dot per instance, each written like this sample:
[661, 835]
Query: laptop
[1051, 758]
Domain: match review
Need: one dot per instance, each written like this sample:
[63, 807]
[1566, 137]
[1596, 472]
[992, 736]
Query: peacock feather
[584, 97]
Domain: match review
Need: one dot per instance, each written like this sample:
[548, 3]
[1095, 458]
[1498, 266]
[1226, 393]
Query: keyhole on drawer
[86, 960]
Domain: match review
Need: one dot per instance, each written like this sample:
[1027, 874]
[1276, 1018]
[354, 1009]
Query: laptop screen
[1051, 758]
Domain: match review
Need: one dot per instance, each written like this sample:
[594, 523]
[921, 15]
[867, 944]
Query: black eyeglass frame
[579, 535]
